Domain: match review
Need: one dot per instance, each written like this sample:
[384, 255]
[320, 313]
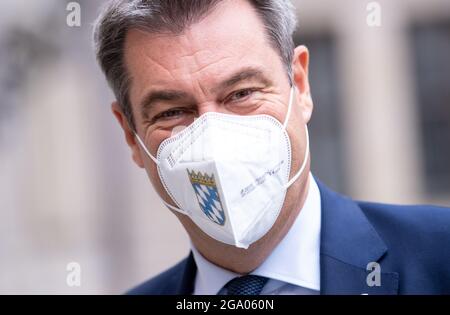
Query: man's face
[224, 63]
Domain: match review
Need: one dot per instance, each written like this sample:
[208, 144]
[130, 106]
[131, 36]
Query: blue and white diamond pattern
[209, 200]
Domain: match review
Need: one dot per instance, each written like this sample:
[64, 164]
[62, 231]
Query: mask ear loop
[141, 143]
[288, 114]
[173, 208]
[286, 121]
[305, 160]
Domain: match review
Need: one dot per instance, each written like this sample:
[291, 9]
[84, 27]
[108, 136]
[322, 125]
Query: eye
[240, 95]
[171, 114]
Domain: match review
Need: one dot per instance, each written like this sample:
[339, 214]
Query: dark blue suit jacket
[411, 244]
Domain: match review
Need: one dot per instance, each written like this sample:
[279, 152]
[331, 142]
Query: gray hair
[156, 16]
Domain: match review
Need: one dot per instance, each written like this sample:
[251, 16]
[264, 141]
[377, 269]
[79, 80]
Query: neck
[244, 261]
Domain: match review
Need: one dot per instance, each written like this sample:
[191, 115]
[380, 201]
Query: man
[214, 101]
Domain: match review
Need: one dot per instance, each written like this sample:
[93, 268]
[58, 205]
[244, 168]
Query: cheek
[154, 138]
[153, 141]
[277, 111]
[152, 172]
[297, 136]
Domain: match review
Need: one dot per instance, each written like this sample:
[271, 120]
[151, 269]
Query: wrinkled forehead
[232, 35]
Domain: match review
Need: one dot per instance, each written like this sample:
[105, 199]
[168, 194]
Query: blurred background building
[69, 191]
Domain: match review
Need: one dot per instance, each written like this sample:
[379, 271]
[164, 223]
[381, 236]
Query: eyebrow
[245, 74]
[160, 95]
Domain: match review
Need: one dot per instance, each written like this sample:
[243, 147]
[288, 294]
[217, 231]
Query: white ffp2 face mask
[229, 173]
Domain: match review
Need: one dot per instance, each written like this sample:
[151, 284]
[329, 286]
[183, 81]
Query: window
[431, 45]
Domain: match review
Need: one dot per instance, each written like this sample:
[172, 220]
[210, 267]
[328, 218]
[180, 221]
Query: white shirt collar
[295, 260]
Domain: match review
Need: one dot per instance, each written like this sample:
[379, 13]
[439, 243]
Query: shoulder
[419, 233]
[165, 283]
[431, 220]
[417, 239]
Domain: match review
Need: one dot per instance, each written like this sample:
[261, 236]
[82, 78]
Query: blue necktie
[246, 285]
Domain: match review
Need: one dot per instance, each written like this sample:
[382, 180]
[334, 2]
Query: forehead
[232, 35]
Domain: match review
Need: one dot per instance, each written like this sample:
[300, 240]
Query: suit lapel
[348, 244]
[186, 282]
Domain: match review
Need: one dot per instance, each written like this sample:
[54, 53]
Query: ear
[129, 134]
[300, 66]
